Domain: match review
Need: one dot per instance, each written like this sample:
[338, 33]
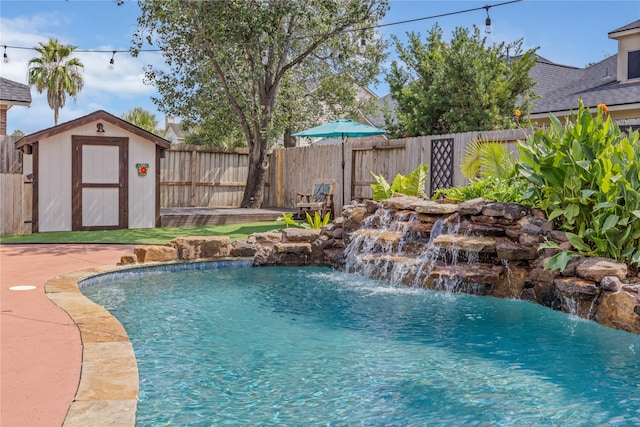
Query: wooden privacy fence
[293, 169]
[15, 202]
[15, 193]
[196, 176]
[10, 158]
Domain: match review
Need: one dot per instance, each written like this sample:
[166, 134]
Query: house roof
[632, 26]
[176, 128]
[561, 87]
[97, 115]
[14, 93]
[377, 118]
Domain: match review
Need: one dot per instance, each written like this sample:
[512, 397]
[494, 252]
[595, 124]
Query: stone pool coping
[107, 393]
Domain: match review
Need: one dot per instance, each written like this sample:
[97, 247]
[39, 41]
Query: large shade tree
[57, 73]
[460, 86]
[250, 65]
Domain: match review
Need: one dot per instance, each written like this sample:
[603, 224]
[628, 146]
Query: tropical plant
[248, 64]
[287, 217]
[317, 221]
[509, 190]
[56, 73]
[464, 85]
[490, 167]
[484, 158]
[143, 119]
[410, 185]
[585, 175]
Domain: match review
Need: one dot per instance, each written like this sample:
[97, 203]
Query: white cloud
[116, 90]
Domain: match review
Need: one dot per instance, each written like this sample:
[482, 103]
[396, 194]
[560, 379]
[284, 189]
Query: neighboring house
[614, 81]
[11, 93]
[363, 94]
[173, 131]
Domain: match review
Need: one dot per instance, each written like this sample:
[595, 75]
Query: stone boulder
[620, 310]
[155, 253]
[596, 268]
[433, 208]
[464, 243]
[268, 238]
[243, 249]
[353, 220]
[202, 247]
[512, 251]
[611, 284]
[300, 235]
[471, 207]
[128, 259]
[511, 211]
[400, 202]
[574, 287]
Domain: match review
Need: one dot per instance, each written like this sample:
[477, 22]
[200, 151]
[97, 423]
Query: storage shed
[97, 172]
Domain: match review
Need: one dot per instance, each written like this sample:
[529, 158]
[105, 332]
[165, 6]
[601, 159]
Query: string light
[362, 40]
[112, 61]
[487, 22]
[5, 58]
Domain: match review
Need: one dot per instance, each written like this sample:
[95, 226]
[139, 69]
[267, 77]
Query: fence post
[192, 200]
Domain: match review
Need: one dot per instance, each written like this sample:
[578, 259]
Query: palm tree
[57, 73]
[143, 119]
[484, 158]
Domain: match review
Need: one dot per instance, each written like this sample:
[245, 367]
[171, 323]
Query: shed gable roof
[98, 115]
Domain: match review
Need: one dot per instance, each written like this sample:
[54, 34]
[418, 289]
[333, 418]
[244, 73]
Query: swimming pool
[313, 346]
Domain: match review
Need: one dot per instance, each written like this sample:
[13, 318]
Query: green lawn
[145, 235]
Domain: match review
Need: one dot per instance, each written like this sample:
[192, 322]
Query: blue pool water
[312, 346]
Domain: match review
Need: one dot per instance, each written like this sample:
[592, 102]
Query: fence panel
[10, 158]
[296, 168]
[215, 177]
[203, 176]
[387, 160]
[15, 204]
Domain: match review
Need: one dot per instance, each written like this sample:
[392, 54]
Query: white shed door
[99, 183]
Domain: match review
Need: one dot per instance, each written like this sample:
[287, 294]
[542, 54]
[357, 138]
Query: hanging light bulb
[363, 42]
[112, 61]
[5, 58]
[265, 56]
[487, 22]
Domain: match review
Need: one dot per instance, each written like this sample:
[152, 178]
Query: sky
[569, 32]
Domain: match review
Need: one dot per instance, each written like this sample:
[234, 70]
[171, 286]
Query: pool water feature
[313, 346]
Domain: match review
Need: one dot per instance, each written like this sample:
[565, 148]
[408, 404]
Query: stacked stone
[503, 237]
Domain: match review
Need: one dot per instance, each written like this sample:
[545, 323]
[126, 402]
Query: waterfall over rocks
[483, 248]
[478, 247]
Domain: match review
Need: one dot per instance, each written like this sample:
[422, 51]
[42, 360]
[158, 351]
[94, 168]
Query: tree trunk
[257, 176]
[289, 141]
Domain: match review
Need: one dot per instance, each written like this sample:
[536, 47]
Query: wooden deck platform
[183, 217]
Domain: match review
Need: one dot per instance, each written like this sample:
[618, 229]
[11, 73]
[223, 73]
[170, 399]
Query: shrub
[586, 176]
[490, 188]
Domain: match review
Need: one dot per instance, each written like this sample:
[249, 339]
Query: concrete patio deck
[41, 350]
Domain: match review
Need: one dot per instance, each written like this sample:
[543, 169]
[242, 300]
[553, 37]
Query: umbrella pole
[342, 170]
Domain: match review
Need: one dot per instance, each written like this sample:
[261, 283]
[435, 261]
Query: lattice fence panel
[441, 164]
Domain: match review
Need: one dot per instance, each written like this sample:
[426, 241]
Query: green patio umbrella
[341, 128]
